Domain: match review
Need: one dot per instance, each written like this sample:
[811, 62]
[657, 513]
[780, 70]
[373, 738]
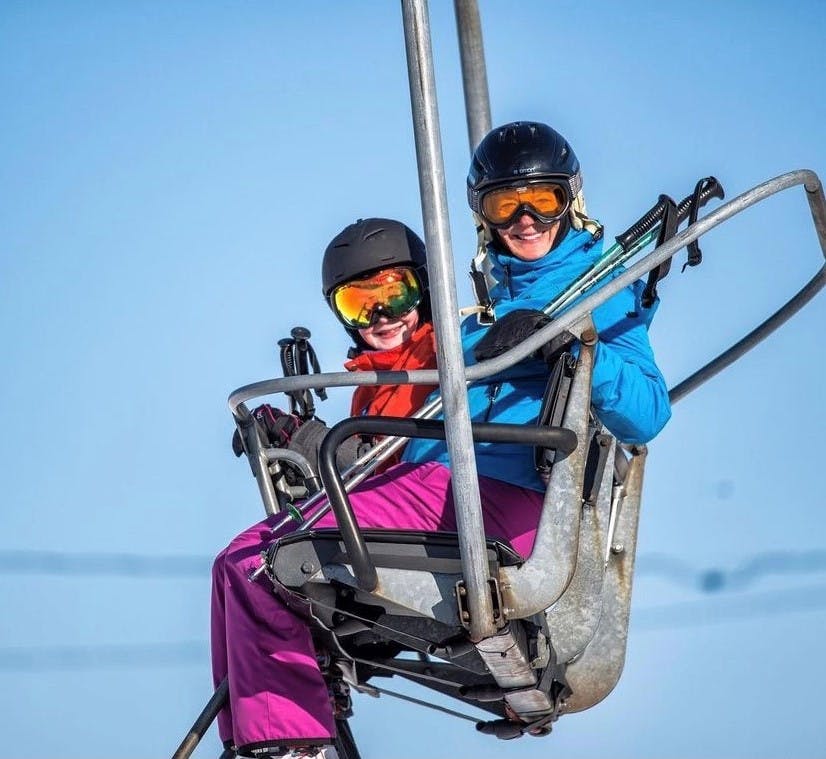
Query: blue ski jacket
[629, 394]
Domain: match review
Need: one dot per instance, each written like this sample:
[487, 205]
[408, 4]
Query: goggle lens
[389, 292]
[547, 200]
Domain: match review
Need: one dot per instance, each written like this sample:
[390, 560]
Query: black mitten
[562, 342]
[515, 327]
[237, 445]
[278, 427]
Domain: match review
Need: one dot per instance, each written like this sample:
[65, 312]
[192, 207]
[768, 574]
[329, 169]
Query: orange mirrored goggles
[545, 201]
[390, 293]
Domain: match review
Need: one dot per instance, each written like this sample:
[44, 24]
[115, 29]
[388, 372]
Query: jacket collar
[513, 275]
[417, 353]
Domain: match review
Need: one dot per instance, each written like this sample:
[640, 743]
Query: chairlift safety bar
[817, 203]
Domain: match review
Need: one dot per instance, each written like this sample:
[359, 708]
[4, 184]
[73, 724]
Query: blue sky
[171, 174]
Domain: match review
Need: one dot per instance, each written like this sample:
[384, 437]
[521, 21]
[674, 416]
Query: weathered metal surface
[594, 674]
[464, 482]
[574, 618]
[546, 573]
[474, 73]
[506, 656]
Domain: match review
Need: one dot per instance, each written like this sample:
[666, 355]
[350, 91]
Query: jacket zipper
[492, 392]
[508, 284]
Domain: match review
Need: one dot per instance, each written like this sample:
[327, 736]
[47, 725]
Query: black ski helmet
[521, 150]
[370, 245]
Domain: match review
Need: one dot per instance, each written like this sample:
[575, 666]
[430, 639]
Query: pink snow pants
[261, 641]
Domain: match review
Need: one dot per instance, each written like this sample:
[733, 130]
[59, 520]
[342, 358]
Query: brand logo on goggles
[391, 293]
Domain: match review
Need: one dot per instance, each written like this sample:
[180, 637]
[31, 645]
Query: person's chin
[530, 246]
[532, 251]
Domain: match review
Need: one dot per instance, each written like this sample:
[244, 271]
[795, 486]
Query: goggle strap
[575, 185]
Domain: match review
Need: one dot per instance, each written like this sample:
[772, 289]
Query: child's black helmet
[370, 245]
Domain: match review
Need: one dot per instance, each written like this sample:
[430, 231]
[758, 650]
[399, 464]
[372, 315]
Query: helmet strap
[580, 219]
[480, 273]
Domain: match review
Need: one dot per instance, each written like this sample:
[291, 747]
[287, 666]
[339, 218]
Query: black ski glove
[277, 425]
[515, 327]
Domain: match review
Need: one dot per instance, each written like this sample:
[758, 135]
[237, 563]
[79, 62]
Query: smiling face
[528, 238]
[388, 333]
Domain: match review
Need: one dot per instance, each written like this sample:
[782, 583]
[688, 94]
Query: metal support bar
[204, 720]
[596, 672]
[574, 618]
[450, 359]
[474, 72]
[258, 461]
[544, 576]
[757, 335]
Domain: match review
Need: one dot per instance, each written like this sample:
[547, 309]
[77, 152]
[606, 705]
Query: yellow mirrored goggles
[546, 201]
[390, 292]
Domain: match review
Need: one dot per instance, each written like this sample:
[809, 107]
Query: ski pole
[297, 357]
[634, 239]
[204, 720]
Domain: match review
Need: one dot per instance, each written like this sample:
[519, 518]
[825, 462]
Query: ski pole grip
[644, 224]
[711, 189]
[301, 336]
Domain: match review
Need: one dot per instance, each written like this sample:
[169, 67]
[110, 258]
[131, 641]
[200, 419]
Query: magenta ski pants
[261, 641]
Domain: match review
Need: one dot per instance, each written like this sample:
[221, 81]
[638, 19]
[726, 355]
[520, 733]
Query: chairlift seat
[389, 602]
[416, 607]
[417, 599]
[377, 593]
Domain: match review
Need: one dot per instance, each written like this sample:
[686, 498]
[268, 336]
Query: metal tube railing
[814, 194]
[564, 441]
[653, 259]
